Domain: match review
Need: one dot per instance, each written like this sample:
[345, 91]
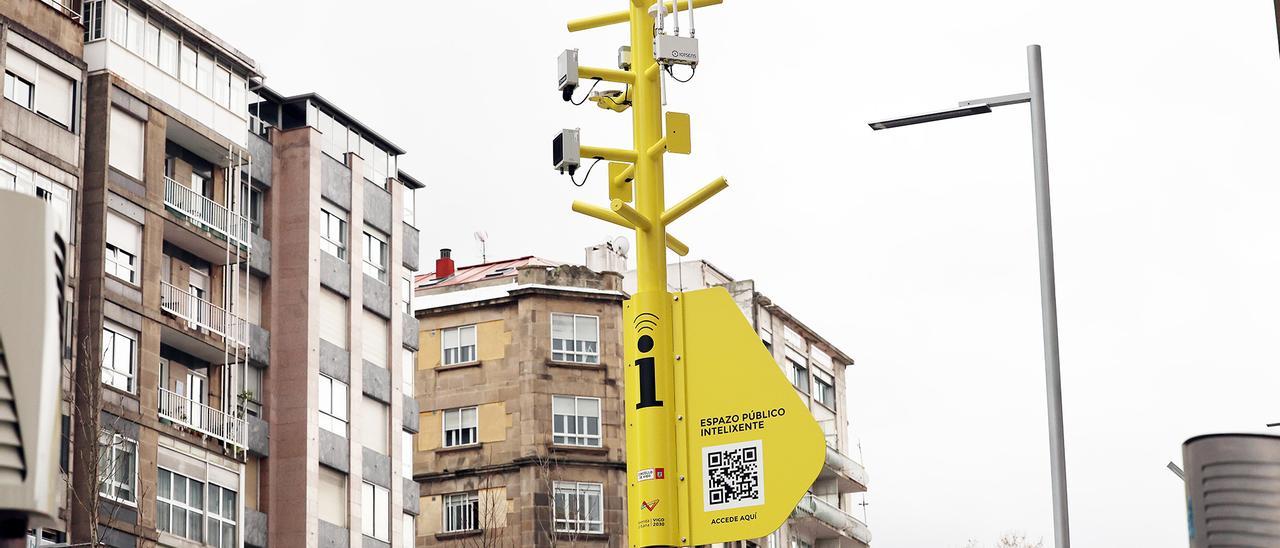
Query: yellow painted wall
[428, 437]
[493, 418]
[493, 507]
[491, 343]
[430, 522]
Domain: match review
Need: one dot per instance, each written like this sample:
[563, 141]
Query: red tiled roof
[485, 271]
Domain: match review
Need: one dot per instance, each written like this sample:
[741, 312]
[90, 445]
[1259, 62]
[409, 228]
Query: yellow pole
[653, 504]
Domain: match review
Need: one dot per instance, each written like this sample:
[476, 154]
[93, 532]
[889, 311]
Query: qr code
[732, 476]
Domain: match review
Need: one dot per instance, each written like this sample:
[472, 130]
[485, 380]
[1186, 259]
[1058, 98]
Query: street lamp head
[970, 110]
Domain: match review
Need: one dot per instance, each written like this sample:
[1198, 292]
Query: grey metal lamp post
[1048, 289]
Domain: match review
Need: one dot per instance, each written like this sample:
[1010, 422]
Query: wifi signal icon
[645, 321]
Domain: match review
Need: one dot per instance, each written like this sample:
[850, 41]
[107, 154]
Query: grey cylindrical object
[1233, 490]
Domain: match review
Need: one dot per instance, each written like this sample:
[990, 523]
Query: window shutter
[334, 320]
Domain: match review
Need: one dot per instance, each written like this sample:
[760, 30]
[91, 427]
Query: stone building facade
[520, 384]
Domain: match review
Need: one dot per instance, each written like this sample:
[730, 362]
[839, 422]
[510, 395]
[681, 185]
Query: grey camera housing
[566, 152]
[568, 68]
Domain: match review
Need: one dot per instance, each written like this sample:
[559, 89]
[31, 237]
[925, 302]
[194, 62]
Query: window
[253, 389]
[17, 177]
[167, 59]
[408, 531]
[460, 426]
[799, 371]
[125, 146]
[91, 18]
[376, 512]
[575, 421]
[575, 338]
[458, 345]
[187, 65]
[19, 90]
[152, 44]
[410, 206]
[373, 424]
[333, 234]
[119, 23]
[333, 405]
[406, 292]
[123, 240]
[334, 319]
[579, 507]
[221, 514]
[333, 496]
[375, 339]
[39, 88]
[180, 505]
[204, 74]
[408, 361]
[135, 36]
[406, 455]
[765, 327]
[375, 256]
[795, 340]
[222, 87]
[461, 512]
[118, 468]
[118, 356]
[824, 388]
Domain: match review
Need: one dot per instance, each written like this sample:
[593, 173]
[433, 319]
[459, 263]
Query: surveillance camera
[568, 65]
[565, 151]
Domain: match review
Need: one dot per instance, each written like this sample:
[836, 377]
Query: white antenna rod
[693, 31]
[677, 15]
[662, 17]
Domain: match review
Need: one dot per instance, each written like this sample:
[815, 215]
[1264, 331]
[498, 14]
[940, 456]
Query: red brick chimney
[444, 265]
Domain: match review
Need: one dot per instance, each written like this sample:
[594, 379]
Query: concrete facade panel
[255, 528]
[259, 437]
[370, 542]
[376, 382]
[260, 258]
[409, 414]
[335, 362]
[377, 297]
[334, 451]
[335, 182]
[409, 247]
[375, 468]
[377, 207]
[260, 151]
[259, 346]
[332, 536]
[335, 274]
[409, 494]
[409, 332]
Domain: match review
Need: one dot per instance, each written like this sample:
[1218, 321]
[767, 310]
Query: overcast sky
[913, 250]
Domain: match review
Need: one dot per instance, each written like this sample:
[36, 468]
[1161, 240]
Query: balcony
[823, 521]
[206, 214]
[849, 476]
[201, 418]
[204, 315]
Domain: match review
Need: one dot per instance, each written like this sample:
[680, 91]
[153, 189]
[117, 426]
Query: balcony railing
[202, 418]
[206, 213]
[840, 523]
[202, 314]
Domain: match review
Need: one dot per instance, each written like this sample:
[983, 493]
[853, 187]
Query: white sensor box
[675, 50]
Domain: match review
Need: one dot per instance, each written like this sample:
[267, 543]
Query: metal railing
[835, 518]
[206, 213]
[202, 418]
[203, 314]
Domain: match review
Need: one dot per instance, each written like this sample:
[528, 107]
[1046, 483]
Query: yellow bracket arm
[611, 154]
[611, 75]
[694, 200]
[631, 215]
[606, 19]
[601, 213]
[677, 246]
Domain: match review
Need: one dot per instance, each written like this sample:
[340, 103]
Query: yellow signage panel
[749, 444]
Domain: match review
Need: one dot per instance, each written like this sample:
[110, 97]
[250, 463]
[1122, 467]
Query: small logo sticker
[651, 474]
[649, 504]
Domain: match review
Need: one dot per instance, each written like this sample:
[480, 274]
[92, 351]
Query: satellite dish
[622, 244]
[482, 236]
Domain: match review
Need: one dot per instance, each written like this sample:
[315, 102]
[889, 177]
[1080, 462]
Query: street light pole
[1048, 286]
[1048, 302]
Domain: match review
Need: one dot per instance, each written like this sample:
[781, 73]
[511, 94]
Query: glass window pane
[585, 328]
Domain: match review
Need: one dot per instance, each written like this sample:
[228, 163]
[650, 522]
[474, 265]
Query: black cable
[584, 177]
[692, 71]
[585, 97]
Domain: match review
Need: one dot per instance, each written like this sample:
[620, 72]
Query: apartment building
[41, 140]
[519, 380]
[240, 350]
[826, 516]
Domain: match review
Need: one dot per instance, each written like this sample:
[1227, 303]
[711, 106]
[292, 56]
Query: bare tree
[495, 531]
[1010, 540]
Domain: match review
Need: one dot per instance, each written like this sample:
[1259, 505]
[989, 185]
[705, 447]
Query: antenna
[622, 245]
[483, 238]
